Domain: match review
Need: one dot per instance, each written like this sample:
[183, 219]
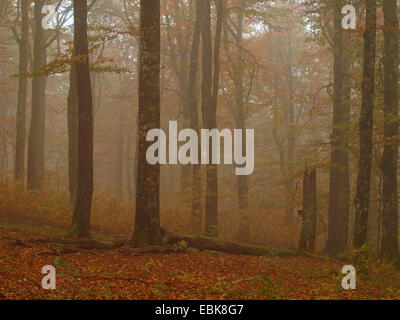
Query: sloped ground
[117, 274]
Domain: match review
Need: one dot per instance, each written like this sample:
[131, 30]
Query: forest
[199, 149]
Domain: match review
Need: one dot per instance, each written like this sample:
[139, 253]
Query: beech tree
[391, 131]
[36, 165]
[72, 121]
[362, 198]
[20, 140]
[339, 184]
[81, 219]
[147, 229]
[209, 93]
[194, 121]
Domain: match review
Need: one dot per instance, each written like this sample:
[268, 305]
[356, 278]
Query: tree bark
[339, 169]
[119, 166]
[208, 243]
[240, 123]
[81, 223]
[309, 212]
[72, 110]
[36, 140]
[20, 140]
[194, 122]
[209, 92]
[362, 199]
[147, 229]
[391, 131]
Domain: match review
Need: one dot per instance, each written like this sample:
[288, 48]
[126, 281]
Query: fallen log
[171, 244]
[154, 249]
[208, 243]
[86, 244]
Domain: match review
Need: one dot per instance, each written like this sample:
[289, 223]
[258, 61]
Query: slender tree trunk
[244, 222]
[291, 132]
[186, 170]
[206, 101]
[240, 123]
[119, 174]
[210, 84]
[129, 166]
[185, 174]
[147, 229]
[4, 156]
[4, 147]
[194, 121]
[339, 169]
[362, 199]
[81, 224]
[391, 131]
[19, 170]
[37, 130]
[309, 212]
[72, 110]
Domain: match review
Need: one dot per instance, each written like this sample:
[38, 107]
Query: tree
[23, 42]
[147, 229]
[209, 94]
[72, 120]
[194, 121]
[339, 185]
[119, 168]
[72, 123]
[37, 130]
[391, 131]
[81, 220]
[178, 35]
[366, 128]
[309, 212]
[239, 105]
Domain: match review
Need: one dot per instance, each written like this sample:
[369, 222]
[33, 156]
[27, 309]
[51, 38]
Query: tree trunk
[362, 199]
[19, 171]
[185, 170]
[147, 229]
[72, 110]
[81, 223]
[309, 212]
[129, 167]
[391, 131]
[209, 106]
[339, 169]
[240, 122]
[194, 122]
[3, 146]
[208, 243]
[244, 219]
[37, 130]
[206, 88]
[119, 167]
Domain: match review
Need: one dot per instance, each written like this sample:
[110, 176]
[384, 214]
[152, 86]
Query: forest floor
[116, 274]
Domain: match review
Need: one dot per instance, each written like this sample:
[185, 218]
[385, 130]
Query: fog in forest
[314, 80]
